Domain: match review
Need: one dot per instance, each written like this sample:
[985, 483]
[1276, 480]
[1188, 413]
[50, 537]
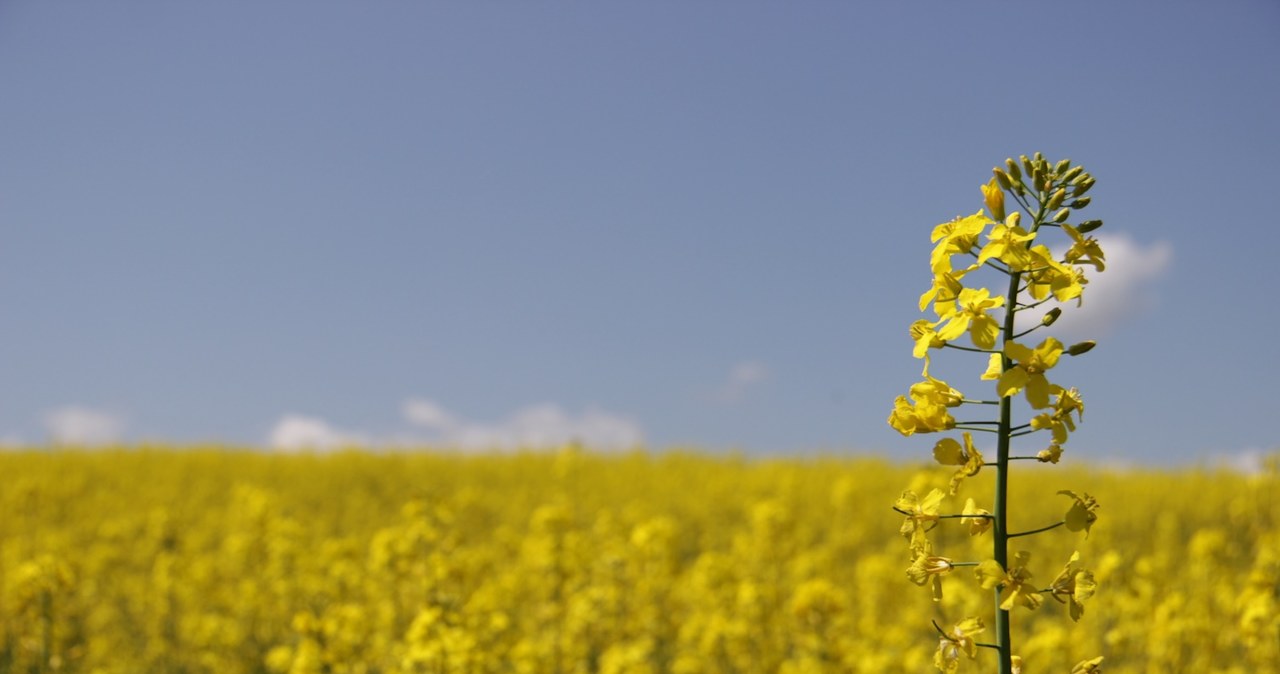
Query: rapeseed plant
[1033, 276]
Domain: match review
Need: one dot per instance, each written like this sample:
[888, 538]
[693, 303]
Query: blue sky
[683, 224]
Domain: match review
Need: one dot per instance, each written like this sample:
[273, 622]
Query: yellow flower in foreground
[958, 640]
[1091, 666]
[949, 452]
[1073, 586]
[925, 337]
[926, 410]
[1046, 276]
[1081, 515]
[971, 316]
[1028, 373]
[1008, 243]
[993, 197]
[956, 237]
[1084, 250]
[1015, 583]
[1050, 454]
[927, 568]
[920, 516]
[978, 519]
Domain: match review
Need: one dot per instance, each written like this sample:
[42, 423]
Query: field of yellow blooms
[209, 560]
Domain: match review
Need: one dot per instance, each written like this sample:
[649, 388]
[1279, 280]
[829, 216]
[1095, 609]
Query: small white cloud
[536, 426]
[1246, 462]
[75, 425]
[427, 414]
[1124, 290]
[742, 377]
[294, 432]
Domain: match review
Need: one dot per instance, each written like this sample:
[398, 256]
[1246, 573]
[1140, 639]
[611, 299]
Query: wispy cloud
[742, 377]
[543, 425]
[1127, 288]
[295, 432]
[533, 427]
[77, 425]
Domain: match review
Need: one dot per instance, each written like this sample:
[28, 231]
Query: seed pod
[1081, 348]
[1062, 215]
[1050, 317]
[1056, 200]
[1002, 178]
[1014, 171]
[1088, 226]
[1080, 203]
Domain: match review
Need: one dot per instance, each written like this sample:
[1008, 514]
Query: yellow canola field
[207, 560]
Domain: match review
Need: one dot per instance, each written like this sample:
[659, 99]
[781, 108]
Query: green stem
[949, 345]
[1036, 531]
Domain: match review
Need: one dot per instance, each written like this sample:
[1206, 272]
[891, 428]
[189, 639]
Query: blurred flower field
[211, 560]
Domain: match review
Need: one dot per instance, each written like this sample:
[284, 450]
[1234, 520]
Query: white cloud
[1251, 461]
[742, 377]
[75, 425]
[1125, 289]
[536, 426]
[294, 432]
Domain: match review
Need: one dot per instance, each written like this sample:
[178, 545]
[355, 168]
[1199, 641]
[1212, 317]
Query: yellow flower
[1047, 276]
[927, 568]
[995, 367]
[1060, 422]
[958, 640]
[1028, 372]
[949, 452]
[1008, 243]
[1073, 586]
[921, 516]
[1084, 249]
[1015, 583]
[1081, 515]
[1091, 666]
[993, 197]
[978, 519]
[1050, 454]
[926, 410]
[971, 316]
[925, 337]
[956, 237]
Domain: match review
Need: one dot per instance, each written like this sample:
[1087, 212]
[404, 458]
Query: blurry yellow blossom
[1081, 515]
[949, 452]
[1073, 586]
[920, 516]
[1015, 583]
[958, 640]
[1091, 666]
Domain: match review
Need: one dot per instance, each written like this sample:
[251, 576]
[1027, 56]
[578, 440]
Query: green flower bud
[1014, 171]
[1062, 166]
[1028, 168]
[1088, 226]
[1038, 157]
[1062, 215]
[1056, 200]
[1072, 174]
[1052, 316]
[1081, 347]
[1081, 188]
[1080, 203]
[1003, 179]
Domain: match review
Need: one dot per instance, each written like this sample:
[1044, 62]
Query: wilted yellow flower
[1015, 583]
[978, 519]
[1073, 586]
[920, 515]
[927, 568]
[926, 411]
[958, 640]
[1084, 249]
[1081, 515]
[949, 452]
[1050, 454]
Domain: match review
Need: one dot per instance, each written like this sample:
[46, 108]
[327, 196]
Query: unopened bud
[1072, 174]
[1088, 226]
[1028, 168]
[1062, 215]
[1062, 166]
[1014, 171]
[1052, 316]
[1038, 157]
[1056, 200]
[1080, 203]
[1002, 178]
[1081, 347]
[1082, 187]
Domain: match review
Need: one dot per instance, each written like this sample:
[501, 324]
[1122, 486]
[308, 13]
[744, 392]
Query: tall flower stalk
[1037, 281]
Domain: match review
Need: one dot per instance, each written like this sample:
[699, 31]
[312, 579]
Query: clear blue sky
[696, 224]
